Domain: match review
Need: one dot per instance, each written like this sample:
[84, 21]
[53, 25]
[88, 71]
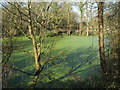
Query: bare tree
[34, 15]
[87, 18]
[68, 20]
[101, 36]
[81, 17]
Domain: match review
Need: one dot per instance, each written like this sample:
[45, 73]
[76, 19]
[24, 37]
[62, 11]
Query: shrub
[52, 34]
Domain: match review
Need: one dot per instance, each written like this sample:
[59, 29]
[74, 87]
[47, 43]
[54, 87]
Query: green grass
[80, 56]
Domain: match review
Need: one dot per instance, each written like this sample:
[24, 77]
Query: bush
[75, 33]
[52, 34]
[92, 33]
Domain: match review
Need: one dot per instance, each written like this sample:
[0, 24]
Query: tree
[87, 18]
[27, 15]
[68, 15]
[81, 17]
[8, 41]
[101, 36]
[112, 14]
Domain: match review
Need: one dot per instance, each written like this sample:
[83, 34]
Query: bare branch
[14, 13]
[18, 8]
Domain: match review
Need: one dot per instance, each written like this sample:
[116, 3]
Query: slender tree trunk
[81, 16]
[68, 19]
[91, 18]
[68, 24]
[35, 48]
[33, 38]
[101, 36]
[36, 53]
[80, 27]
[87, 19]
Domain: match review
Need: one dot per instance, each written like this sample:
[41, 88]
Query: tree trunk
[87, 19]
[91, 18]
[68, 20]
[34, 47]
[34, 41]
[101, 36]
[33, 38]
[81, 16]
[80, 27]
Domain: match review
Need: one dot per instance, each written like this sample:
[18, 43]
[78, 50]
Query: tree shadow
[73, 83]
[76, 64]
[82, 62]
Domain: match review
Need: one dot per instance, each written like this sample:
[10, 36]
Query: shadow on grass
[76, 64]
[74, 83]
[81, 62]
